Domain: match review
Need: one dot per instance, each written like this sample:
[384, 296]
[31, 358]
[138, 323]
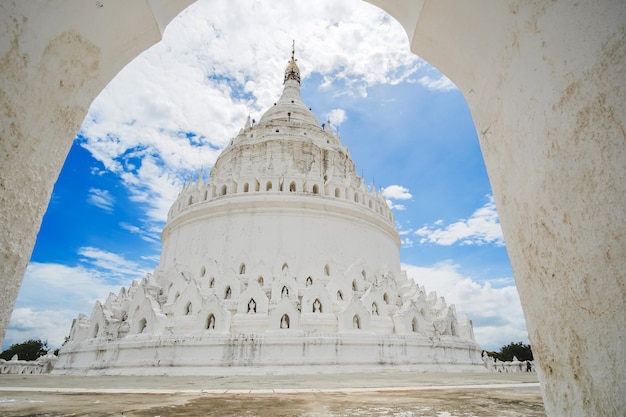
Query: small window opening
[317, 306]
[210, 322]
[252, 306]
[284, 322]
[142, 325]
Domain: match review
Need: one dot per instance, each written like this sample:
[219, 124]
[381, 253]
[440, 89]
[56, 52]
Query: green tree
[29, 350]
[520, 350]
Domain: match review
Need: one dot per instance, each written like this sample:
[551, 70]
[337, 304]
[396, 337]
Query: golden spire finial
[292, 72]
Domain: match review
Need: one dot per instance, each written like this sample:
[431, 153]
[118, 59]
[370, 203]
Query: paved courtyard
[381, 394]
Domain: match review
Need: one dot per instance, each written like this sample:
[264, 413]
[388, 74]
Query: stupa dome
[283, 260]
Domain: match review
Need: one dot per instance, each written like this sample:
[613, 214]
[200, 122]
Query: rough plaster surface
[545, 83]
[51, 72]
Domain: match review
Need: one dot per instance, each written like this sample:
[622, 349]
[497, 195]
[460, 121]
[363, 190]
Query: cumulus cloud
[483, 227]
[495, 312]
[47, 325]
[394, 206]
[397, 192]
[101, 198]
[337, 117]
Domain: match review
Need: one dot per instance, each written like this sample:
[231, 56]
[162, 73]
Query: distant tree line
[520, 350]
[29, 350]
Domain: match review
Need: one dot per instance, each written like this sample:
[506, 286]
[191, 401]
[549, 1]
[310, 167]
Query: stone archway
[545, 84]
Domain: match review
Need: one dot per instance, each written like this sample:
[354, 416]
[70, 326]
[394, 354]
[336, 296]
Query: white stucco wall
[269, 229]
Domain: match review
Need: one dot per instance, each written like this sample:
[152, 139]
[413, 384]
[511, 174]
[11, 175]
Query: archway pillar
[55, 58]
[546, 86]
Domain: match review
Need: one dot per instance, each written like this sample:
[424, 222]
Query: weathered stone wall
[54, 59]
[15, 366]
[545, 82]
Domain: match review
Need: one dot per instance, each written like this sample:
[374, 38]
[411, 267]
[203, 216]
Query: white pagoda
[283, 261]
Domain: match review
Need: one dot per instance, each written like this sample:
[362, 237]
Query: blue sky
[168, 114]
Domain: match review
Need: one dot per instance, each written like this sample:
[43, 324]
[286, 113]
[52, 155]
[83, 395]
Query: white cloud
[114, 265]
[337, 117]
[146, 233]
[47, 325]
[101, 198]
[406, 242]
[397, 192]
[483, 227]
[496, 312]
[442, 83]
[392, 205]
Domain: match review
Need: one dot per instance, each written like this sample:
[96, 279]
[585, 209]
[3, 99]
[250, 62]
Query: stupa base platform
[261, 354]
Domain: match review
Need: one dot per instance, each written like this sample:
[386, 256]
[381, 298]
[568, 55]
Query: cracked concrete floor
[404, 395]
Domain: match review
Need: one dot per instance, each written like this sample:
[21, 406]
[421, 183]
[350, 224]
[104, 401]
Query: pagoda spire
[292, 72]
